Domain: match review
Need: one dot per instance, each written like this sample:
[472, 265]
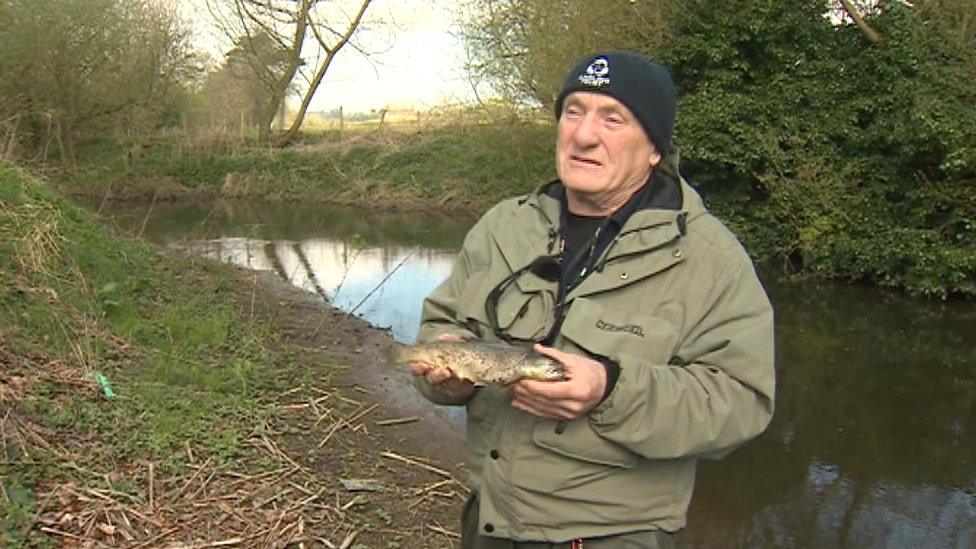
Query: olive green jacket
[677, 304]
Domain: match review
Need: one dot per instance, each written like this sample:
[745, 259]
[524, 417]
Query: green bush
[857, 159]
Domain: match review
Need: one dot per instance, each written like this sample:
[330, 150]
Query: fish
[482, 363]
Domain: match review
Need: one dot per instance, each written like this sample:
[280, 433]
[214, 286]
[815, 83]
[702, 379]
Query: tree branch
[320, 73]
[868, 31]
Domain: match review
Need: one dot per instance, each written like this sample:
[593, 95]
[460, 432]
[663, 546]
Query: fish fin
[465, 378]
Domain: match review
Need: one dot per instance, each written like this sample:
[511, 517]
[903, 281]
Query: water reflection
[381, 284]
[873, 441]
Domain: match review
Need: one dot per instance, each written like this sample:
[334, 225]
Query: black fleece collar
[660, 193]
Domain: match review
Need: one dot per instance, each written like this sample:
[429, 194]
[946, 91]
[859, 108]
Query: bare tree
[523, 48]
[73, 69]
[238, 91]
[307, 35]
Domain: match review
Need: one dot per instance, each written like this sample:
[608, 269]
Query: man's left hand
[579, 393]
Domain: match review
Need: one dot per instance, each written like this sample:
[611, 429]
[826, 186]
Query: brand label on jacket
[629, 328]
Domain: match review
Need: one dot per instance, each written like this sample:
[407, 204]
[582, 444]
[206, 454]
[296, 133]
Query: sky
[416, 60]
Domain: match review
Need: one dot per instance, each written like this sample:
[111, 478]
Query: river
[873, 443]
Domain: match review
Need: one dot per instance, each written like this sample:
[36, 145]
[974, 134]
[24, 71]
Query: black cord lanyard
[585, 255]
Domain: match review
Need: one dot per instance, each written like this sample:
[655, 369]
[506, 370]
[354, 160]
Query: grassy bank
[447, 167]
[152, 399]
[186, 371]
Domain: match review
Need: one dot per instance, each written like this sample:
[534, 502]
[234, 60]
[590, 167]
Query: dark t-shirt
[578, 232]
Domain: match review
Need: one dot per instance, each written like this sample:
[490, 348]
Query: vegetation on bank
[838, 138]
[183, 371]
[150, 400]
[444, 166]
[816, 221]
[846, 158]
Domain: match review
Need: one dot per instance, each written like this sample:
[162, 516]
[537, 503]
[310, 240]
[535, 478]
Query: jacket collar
[655, 225]
[659, 192]
[664, 201]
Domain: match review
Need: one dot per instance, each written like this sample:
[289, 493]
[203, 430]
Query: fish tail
[394, 352]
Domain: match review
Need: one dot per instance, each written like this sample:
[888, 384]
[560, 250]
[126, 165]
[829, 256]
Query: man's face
[602, 152]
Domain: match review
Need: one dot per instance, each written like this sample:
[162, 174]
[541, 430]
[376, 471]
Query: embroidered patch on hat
[597, 73]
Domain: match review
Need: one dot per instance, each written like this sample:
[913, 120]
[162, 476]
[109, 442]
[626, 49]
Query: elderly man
[616, 270]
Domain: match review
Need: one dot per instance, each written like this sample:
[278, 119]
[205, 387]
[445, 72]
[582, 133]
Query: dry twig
[412, 461]
[439, 530]
[397, 421]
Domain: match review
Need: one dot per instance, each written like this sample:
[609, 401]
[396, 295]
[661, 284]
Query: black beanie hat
[643, 85]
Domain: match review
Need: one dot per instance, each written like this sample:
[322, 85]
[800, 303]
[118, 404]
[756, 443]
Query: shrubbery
[830, 153]
[860, 158]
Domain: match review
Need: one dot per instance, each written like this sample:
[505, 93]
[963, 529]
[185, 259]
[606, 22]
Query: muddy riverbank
[387, 434]
[314, 327]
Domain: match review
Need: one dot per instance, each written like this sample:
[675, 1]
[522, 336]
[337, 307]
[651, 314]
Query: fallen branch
[222, 543]
[347, 543]
[444, 531]
[63, 534]
[339, 424]
[355, 499]
[191, 479]
[433, 486]
[397, 421]
[356, 416]
[404, 459]
[152, 489]
[149, 542]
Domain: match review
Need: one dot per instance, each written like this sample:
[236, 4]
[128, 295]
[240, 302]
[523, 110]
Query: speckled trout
[482, 363]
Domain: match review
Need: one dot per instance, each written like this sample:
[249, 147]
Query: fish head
[543, 368]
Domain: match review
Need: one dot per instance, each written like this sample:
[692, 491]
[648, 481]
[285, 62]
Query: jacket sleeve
[440, 309]
[717, 392]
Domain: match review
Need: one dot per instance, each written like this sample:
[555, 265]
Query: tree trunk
[270, 109]
[66, 144]
[296, 124]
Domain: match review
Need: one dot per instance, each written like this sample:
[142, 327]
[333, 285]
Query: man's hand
[442, 379]
[569, 399]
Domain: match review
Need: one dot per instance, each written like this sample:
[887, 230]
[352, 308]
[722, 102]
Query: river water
[873, 443]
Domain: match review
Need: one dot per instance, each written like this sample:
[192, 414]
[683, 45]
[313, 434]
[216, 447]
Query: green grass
[17, 504]
[187, 368]
[481, 163]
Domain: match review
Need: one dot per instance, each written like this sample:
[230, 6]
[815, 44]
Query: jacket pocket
[472, 294]
[614, 333]
[579, 441]
[483, 411]
[521, 314]
[485, 402]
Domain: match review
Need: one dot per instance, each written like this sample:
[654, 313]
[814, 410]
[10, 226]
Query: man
[653, 307]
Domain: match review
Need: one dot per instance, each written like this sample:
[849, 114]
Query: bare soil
[354, 457]
[381, 430]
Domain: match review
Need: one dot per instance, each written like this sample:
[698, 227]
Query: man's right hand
[442, 379]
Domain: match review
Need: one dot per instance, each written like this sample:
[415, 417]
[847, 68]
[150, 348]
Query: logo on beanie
[597, 73]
